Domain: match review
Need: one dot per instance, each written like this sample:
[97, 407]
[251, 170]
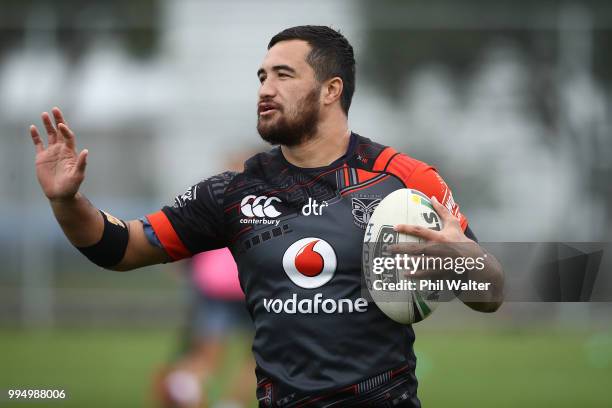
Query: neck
[326, 146]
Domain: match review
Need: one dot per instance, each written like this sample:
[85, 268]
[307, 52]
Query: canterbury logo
[253, 206]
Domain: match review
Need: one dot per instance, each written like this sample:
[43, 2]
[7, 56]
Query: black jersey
[296, 235]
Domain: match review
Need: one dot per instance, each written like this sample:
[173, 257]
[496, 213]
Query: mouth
[266, 108]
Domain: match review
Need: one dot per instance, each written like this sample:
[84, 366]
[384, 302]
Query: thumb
[82, 161]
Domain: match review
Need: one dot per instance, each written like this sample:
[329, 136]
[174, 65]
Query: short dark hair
[331, 56]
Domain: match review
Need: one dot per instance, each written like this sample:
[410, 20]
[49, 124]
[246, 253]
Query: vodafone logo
[310, 262]
[254, 206]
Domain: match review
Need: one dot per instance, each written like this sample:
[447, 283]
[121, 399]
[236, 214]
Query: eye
[262, 79]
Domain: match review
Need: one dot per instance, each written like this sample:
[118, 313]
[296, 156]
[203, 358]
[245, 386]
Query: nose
[267, 89]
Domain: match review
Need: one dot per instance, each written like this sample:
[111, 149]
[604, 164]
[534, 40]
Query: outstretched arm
[60, 171]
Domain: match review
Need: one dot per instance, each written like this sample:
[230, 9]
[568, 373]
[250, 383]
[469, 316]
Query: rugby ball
[388, 286]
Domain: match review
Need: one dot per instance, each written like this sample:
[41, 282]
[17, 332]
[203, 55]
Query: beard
[292, 130]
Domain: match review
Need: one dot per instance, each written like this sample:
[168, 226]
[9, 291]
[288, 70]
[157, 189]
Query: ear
[332, 90]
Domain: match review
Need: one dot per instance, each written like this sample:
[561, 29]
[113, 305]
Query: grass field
[113, 368]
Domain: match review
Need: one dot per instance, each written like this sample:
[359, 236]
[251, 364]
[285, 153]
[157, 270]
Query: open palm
[59, 168]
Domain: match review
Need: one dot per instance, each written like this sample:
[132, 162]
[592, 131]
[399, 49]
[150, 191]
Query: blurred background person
[217, 317]
[217, 334]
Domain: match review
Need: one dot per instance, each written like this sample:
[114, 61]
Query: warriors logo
[362, 210]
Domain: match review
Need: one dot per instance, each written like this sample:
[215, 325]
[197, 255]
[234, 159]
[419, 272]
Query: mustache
[264, 105]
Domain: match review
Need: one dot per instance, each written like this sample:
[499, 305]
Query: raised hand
[59, 168]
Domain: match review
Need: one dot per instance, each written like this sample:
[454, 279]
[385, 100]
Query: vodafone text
[315, 305]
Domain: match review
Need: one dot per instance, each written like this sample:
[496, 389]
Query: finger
[51, 132]
[413, 248]
[38, 143]
[439, 249]
[417, 274]
[409, 274]
[82, 161]
[407, 248]
[427, 274]
[442, 211]
[58, 116]
[421, 274]
[69, 137]
[417, 231]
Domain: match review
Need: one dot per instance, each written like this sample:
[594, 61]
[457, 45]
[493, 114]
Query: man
[291, 221]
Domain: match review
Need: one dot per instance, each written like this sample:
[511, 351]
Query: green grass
[554, 369]
[96, 368]
[113, 368]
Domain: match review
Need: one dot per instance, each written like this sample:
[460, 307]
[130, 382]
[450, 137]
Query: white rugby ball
[404, 206]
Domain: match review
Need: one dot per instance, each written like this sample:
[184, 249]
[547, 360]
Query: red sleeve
[167, 236]
[420, 176]
[195, 223]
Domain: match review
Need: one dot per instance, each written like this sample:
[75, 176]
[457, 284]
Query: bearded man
[294, 221]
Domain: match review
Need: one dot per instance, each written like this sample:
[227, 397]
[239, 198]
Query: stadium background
[509, 99]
